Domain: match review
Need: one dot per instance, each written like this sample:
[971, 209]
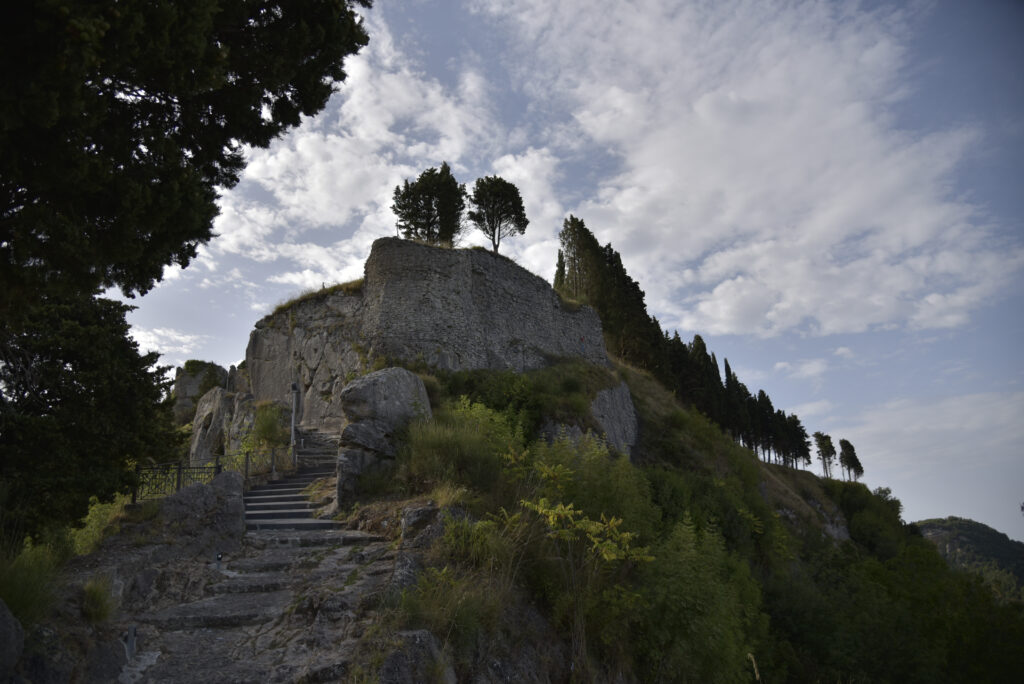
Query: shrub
[27, 574]
[100, 522]
[454, 606]
[97, 600]
[463, 444]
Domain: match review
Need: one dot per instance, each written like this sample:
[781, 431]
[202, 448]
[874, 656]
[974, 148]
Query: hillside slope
[977, 548]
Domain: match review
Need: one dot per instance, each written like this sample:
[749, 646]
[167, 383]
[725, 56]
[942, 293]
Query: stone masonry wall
[453, 309]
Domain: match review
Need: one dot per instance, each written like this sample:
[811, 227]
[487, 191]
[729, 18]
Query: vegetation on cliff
[979, 549]
[691, 567]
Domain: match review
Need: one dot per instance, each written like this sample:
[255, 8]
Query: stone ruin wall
[452, 309]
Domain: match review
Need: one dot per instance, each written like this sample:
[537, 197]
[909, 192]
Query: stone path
[290, 607]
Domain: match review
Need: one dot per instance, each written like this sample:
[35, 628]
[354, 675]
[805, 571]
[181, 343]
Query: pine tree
[849, 461]
[430, 208]
[826, 452]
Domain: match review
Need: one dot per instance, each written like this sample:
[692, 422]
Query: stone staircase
[316, 448]
[281, 505]
[290, 607]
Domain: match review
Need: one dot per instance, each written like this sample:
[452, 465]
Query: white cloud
[758, 140]
[813, 408]
[334, 175]
[907, 435]
[165, 341]
[807, 369]
[844, 353]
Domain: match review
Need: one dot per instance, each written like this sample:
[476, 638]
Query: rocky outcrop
[211, 423]
[376, 408]
[222, 421]
[165, 554]
[451, 309]
[191, 382]
[612, 409]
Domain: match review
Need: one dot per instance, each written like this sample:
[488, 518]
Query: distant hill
[973, 546]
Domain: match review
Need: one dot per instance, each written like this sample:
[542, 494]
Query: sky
[829, 193]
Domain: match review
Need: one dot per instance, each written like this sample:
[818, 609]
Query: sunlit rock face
[450, 309]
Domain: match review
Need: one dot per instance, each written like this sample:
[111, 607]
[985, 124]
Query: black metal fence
[166, 478]
[160, 480]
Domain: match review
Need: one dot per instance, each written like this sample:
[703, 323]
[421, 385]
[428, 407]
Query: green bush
[456, 607]
[463, 444]
[585, 473]
[561, 393]
[700, 609]
[27, 575]
[97, 600]
[100, 522]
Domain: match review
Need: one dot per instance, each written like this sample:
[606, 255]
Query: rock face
[376, 406]
[211, 423]
[221, 422]
[613, 410]
[192, 382]
[452, 309]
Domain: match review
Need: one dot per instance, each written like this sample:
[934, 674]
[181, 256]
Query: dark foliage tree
[78, 405]
[826, 452]
[121, 122]
[430, 208]
[848, 460]
[559, 283]
[582, 256]
[498, 211]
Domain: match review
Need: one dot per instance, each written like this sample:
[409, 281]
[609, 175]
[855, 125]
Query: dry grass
[352, 287]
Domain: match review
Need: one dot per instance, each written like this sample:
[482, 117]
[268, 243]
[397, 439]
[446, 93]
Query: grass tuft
[97, 600]
[352, 287]
[27, 575]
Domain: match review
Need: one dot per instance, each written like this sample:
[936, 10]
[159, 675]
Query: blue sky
[828, 192]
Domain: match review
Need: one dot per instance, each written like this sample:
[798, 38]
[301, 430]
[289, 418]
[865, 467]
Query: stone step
[291, 524]
[276, 514]
[285, 501]
[226, 610]
[265, 491]
[258, 505]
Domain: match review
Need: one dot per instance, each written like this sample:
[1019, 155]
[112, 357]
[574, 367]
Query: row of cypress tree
[589, 273]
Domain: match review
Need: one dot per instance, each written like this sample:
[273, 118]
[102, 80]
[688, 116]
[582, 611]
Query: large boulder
[613, 410]
[207, 518]
[391, 397]
[377, 407]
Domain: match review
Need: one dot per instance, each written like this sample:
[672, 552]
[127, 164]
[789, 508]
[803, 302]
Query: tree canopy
[499, 209]
[120, 123]
[848, 460]
[78, 403]
[430, 208]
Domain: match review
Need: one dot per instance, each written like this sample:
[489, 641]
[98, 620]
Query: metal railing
[159, 480]
[163, 479]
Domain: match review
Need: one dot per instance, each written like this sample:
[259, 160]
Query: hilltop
[977, 548]
[501, 532]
